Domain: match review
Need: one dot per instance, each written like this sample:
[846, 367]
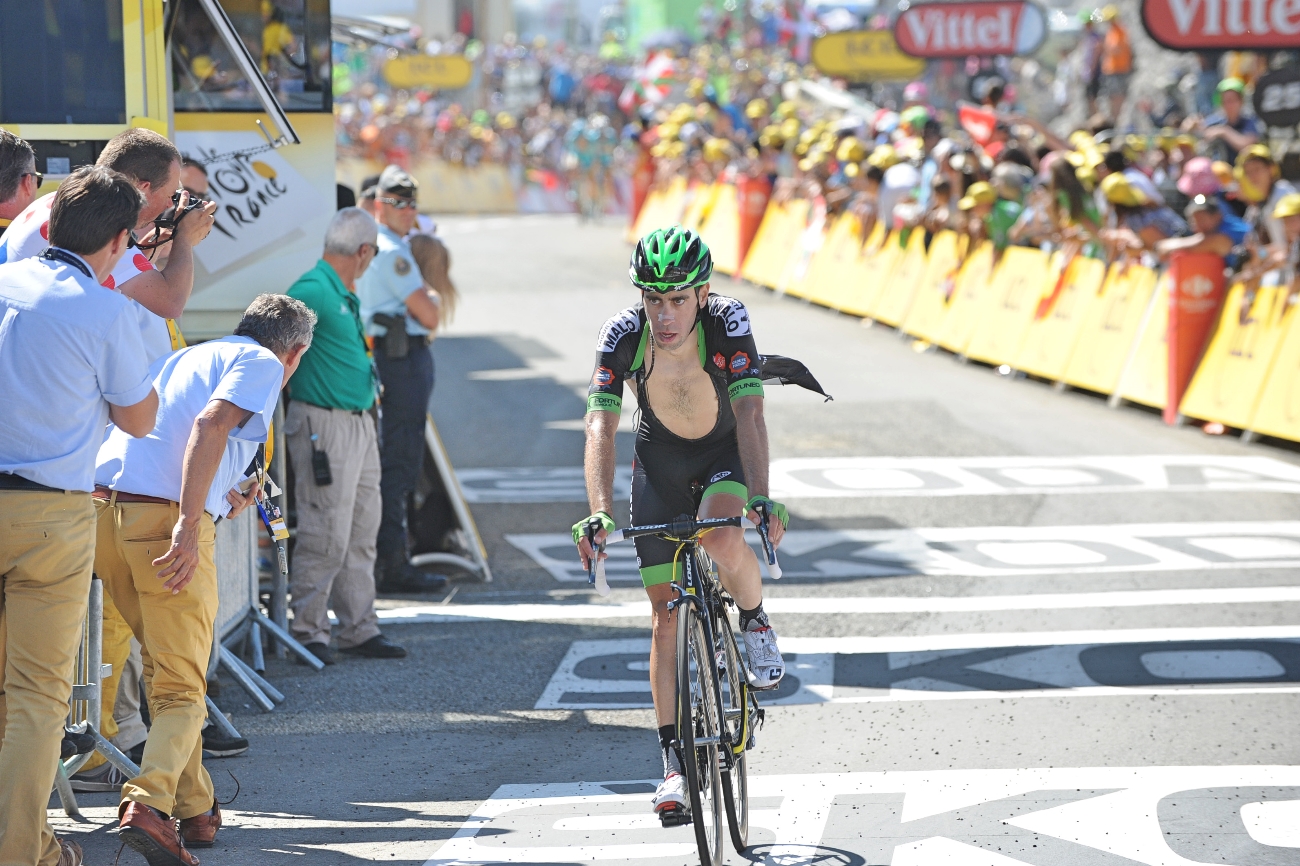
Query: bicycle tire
[697, 716]
[735, 699]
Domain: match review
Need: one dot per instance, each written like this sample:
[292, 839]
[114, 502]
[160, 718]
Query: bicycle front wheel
[699, 728]
[735, 702]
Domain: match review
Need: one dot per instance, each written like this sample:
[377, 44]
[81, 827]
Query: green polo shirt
[336, 371]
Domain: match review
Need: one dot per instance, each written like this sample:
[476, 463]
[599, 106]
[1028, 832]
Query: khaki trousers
[334, 551]
[47, 542]
[175, 634]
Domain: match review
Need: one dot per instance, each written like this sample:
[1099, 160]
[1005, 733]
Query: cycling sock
[672, 763]
[757, 615]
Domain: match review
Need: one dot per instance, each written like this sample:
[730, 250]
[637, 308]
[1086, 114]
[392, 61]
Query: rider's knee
[725, 546]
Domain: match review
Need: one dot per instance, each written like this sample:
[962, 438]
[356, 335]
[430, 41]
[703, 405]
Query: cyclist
[701, 448]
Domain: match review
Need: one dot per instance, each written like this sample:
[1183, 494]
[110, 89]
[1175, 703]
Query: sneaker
[100, 780]
[766, 667]
[75, 743]
[218, 745]
[671, 795]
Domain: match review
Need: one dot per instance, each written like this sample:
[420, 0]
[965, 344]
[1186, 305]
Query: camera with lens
[169, 218]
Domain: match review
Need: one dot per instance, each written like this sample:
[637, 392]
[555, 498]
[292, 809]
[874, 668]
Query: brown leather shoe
[69, 852]
[152, 835]
[201, 830]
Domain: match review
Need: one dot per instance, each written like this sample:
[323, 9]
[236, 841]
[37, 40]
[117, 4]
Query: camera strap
[62, 255]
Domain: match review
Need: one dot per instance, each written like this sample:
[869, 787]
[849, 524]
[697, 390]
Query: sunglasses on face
[40, 178]
[398, 203]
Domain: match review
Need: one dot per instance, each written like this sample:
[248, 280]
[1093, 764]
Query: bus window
[288, 39]
[61, 62]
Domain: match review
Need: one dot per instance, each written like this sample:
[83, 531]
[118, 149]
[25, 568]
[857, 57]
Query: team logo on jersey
[719, 360]
[721, 475]
[602, 377]
[739, 362]
[402, 266]
[616, 329]
[732, 312]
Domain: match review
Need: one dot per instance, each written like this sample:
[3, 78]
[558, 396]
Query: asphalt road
[1022, 627]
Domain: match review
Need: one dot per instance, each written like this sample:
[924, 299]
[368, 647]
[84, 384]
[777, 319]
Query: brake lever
[596, 565]
[773, 567]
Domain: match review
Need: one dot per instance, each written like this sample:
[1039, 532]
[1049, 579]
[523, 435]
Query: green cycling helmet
[669, 259]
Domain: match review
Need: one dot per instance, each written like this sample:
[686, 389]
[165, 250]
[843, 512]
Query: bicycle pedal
[675, 816]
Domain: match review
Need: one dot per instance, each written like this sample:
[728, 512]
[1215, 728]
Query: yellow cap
[978, 193]
[852, 170]
[1118, 190]
[787, 109]
[756, 109]
[1222, 171]
[1254, 151]
[505, 120]
[1287, 206]
[883, 157]
[1109, 12]
[850, 150]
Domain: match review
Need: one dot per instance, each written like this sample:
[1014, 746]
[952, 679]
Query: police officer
[400, 312]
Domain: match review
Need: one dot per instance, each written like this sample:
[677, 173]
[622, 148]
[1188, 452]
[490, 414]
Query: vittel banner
[963, 29]
[1191, 25]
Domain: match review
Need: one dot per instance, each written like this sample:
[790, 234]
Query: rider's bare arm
[598, 460]
[751, 436]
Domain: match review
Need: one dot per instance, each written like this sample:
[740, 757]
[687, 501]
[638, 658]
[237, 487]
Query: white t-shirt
[235, 369]
[68, 348]
[29, 236]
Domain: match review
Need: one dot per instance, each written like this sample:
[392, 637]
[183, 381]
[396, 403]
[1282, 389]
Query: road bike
[717, 710]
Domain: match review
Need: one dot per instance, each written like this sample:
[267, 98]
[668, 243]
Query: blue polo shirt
[68, 348]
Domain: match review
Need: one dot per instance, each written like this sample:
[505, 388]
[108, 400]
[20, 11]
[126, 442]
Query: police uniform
[407, 381]
[70, 348]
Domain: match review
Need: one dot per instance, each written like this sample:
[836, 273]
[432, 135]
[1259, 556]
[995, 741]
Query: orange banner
[1195, 292]
[754, 193]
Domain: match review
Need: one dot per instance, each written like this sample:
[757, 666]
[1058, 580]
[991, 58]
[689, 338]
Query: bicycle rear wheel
[699, 728]
[735, 702]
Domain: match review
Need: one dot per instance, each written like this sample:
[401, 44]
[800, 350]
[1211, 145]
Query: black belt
[357, 412]
[9, 481]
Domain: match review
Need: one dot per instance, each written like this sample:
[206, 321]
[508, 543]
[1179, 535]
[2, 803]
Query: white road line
[923, 818]
[1219, 661]
[819, 477]
[563, 612]
[984, 551]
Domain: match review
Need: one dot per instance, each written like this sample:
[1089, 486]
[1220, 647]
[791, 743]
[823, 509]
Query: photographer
[18, 179]
[72, 358]
[334, 447]
[401, 311]
[154, 165]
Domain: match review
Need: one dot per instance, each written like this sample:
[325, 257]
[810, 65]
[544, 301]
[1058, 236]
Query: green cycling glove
[600, 518]
[774, 509]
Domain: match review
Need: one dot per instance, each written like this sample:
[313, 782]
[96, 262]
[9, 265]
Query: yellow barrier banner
[1110, 327]
[662, 208]
[967, 299]
[794, 276]
[849, 270]
[925, 320]
[869, 273]
[1227, 384]
[700, 198]
[1145, 377]
[778, 235]
[896, 299]
[833, 260]
[1277, 412]
[1023, 276]
[1053, 334]
[721, 230]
